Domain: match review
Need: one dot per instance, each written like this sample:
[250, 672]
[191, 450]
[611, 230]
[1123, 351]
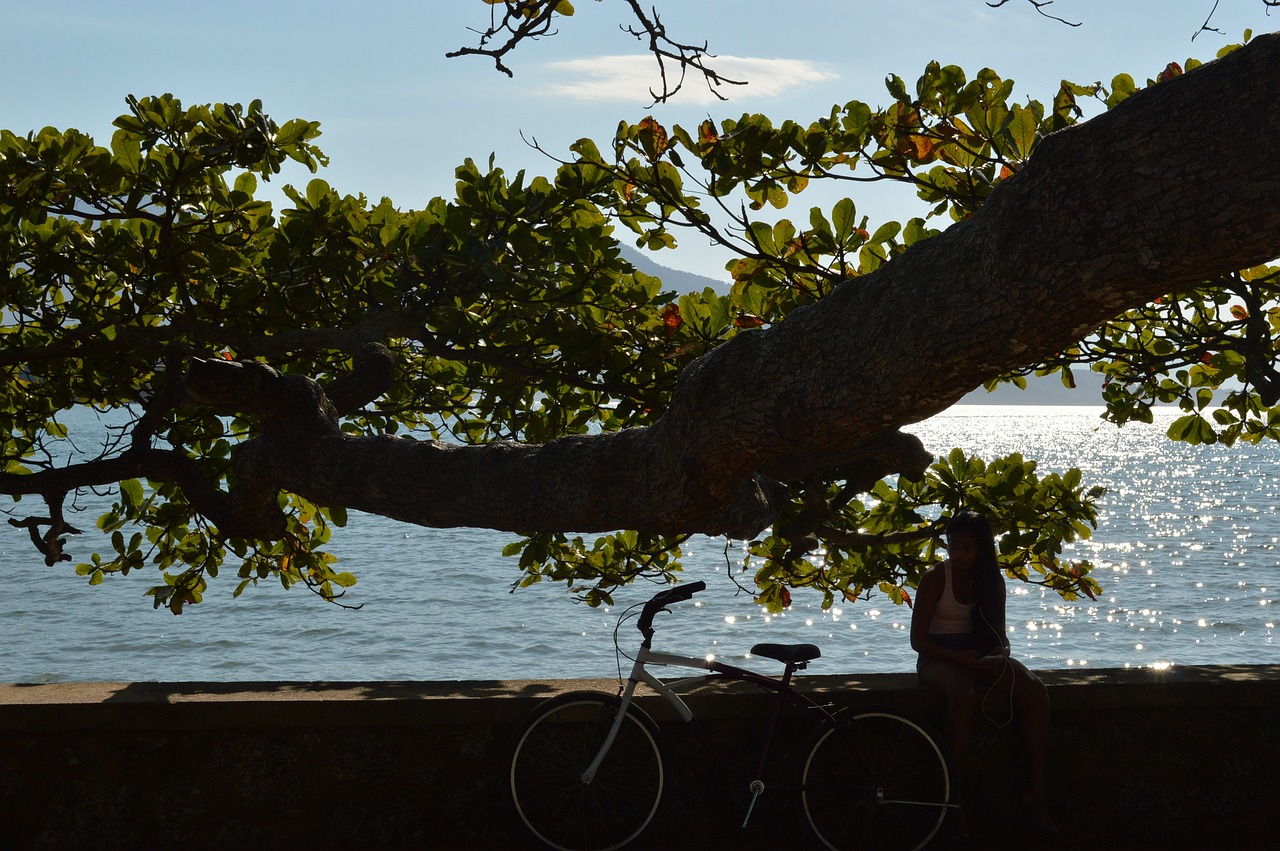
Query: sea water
[1186, 552]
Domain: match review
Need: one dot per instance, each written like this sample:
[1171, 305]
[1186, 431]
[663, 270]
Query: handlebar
[659, 603]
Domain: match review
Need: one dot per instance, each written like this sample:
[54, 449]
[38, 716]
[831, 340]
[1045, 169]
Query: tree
[270, 369]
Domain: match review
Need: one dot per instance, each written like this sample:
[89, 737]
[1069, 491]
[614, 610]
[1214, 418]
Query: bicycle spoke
[879, 781]
[553, 751]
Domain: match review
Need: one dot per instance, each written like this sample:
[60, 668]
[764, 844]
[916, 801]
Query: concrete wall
[1184, 758]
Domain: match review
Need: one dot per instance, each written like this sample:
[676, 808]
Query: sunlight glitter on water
[1186, 552]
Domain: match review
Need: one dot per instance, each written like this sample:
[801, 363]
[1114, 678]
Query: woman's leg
[1031, 702]
[957, 684]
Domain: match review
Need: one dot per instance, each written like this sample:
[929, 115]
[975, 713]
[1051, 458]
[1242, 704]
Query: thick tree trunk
[1177, 185]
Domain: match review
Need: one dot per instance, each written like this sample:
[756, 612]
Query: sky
[397, 116]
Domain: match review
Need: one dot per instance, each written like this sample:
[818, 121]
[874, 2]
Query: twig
[1039, 4]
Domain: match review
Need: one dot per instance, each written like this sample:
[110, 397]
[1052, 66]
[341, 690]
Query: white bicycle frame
[640, 674]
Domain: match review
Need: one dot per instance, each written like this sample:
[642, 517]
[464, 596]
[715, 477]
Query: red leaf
[922, 147]
[671, 320]
[747, 320]
[707, 134]
[1239, 312]
[786, 598]
[1173, 69]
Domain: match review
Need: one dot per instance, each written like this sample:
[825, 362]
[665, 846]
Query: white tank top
[951, 617]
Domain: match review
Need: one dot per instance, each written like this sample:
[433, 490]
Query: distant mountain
[1046, 390]
[673, 279]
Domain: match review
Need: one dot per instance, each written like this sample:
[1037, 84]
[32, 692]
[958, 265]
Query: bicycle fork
[624, 704]
[640, 675]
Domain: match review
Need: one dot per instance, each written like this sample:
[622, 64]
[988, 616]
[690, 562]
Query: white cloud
[629, 78]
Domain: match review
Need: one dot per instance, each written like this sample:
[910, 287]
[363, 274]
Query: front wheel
[875, 780]
[553, 748]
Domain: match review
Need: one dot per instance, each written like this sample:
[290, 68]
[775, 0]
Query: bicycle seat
[787, 652]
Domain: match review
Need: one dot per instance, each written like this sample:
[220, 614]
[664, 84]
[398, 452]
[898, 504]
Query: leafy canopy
[511, 314]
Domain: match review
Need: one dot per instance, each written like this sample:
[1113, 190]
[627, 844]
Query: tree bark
[1178, 184]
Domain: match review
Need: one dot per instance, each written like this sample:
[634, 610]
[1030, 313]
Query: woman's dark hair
[988, 587]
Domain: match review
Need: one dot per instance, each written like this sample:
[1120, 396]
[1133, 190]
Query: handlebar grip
[684, 592]
[663, 598]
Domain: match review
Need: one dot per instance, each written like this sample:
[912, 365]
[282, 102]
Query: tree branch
[521, 20]
[529, 20]
[1106, 215]
[51, 543]
[1269, 4]
[158, 465]
[845, 538]
[685, 56]
[1040, 7]
[290, 409]
[374, 369]
[184, 333]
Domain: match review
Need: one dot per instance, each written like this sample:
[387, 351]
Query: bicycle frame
[668, 690]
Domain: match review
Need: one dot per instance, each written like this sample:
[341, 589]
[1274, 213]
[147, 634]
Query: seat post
[779, 698]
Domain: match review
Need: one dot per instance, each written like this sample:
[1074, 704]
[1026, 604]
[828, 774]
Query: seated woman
[958, 628]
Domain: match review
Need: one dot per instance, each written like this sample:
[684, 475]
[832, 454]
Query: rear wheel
[552, 749]
[877, 780]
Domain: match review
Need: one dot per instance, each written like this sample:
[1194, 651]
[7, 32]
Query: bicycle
[588, 769]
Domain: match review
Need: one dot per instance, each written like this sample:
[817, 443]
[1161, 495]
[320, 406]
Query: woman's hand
[979, 662]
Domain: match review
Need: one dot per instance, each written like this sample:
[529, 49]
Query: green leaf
[1122, 86]
[317, 191]
[885, 233]
[128, 152]
[1020, 129]
[842, 218]
[131, 493]
[247, 183]
[1193, 429]
[897, 88]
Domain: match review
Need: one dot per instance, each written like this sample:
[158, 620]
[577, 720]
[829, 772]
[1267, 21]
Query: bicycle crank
[757, 788]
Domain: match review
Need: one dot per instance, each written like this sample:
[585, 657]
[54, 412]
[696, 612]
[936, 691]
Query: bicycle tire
[554, 746]
[878, 780]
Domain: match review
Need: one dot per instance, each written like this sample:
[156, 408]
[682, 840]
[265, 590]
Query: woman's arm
[927, 594]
